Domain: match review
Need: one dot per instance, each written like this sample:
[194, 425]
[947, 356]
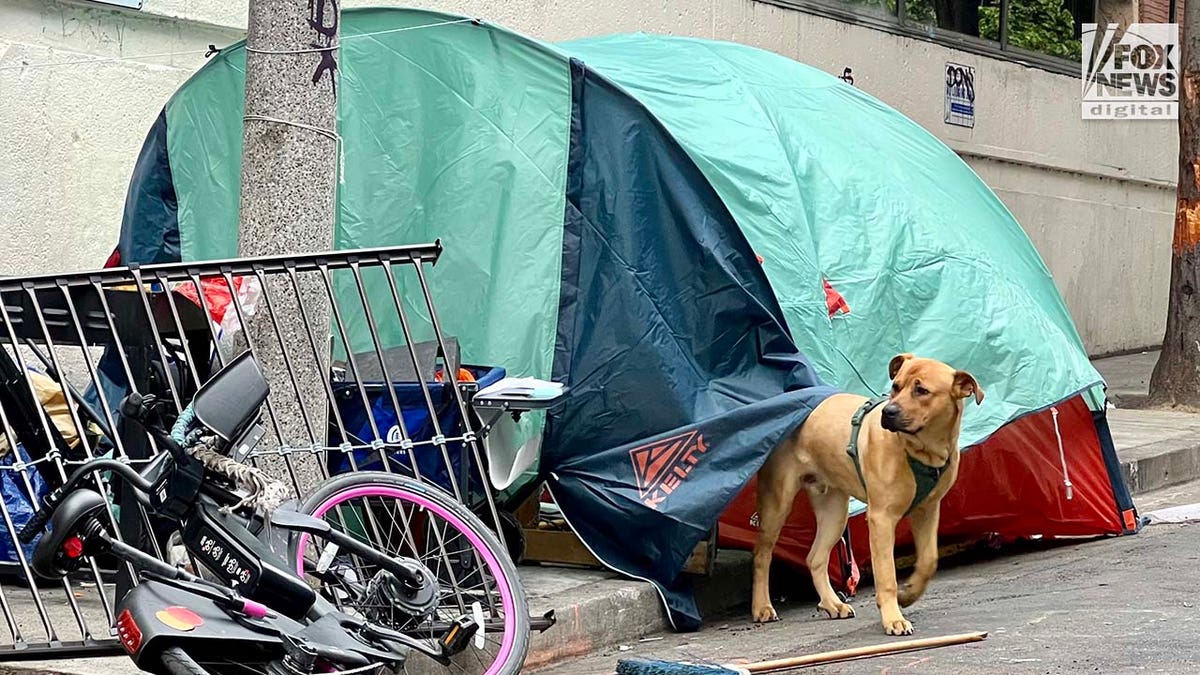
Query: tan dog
[920, 422]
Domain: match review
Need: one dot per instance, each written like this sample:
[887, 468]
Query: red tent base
[1012, 486]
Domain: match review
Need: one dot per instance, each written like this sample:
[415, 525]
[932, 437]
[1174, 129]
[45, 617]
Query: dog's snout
[891, 417]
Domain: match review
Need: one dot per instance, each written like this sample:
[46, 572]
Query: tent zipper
[1062, 455]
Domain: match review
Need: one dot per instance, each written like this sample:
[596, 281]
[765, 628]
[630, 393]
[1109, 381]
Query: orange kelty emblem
[660, 467]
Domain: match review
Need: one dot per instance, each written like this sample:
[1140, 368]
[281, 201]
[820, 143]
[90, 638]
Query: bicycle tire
[176, 661]
[343, 489]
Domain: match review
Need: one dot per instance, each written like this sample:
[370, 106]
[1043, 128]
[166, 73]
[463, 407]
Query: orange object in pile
[464, 375]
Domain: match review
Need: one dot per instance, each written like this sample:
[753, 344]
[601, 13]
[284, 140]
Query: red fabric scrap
[834, 301]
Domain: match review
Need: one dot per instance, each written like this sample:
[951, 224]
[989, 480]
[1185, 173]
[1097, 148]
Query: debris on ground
[1188, 513]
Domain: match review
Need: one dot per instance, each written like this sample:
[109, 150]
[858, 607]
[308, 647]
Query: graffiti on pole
[323, 18]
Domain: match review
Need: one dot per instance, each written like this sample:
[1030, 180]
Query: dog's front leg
[882, 523]
[924, 527]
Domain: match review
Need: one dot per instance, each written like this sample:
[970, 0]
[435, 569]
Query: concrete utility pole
[288, 199]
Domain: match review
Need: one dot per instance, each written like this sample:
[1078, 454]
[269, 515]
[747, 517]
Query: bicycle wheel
[175, 661]
[405, 518]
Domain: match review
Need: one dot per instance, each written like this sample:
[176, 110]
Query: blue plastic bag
[17, 500]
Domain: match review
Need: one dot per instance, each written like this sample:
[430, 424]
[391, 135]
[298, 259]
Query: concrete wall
[71, 134]
[1095, 197]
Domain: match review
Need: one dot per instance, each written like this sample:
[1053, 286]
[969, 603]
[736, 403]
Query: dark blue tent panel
[667, 325]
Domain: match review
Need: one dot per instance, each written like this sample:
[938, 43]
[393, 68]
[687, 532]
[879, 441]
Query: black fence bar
[287, 360]
[469, 437]
[300, 262]
[72, 345]
[405, 439]
[272, 415]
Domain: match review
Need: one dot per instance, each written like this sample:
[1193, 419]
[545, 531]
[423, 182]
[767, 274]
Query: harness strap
[926, 476]
[850, 569]
[855, 427]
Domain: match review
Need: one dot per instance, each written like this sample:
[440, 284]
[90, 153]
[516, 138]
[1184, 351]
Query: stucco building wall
[1096, 197]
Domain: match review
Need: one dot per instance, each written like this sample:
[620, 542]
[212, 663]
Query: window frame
[897, 25]
[122, 4]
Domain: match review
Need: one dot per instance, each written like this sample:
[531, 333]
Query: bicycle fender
[154, 616]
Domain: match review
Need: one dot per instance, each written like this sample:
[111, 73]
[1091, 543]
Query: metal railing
[332, 332]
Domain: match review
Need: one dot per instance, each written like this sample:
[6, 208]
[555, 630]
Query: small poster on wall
[960, 95]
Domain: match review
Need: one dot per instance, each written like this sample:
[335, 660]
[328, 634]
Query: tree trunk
[288, 202]
[1176, 378]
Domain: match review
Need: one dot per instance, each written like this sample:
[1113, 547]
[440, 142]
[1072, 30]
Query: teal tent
[701, 239]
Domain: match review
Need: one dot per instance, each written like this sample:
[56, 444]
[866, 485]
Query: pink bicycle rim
[506, 601]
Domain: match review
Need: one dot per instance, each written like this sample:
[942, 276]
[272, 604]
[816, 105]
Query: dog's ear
[965, 385]
[897, 361]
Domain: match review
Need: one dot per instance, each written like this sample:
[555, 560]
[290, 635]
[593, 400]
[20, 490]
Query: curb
[1129, 400]
[635, 611]
[624, 612]
[1178, 464]
[109, 665]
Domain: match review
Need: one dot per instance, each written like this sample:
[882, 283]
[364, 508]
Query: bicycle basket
[429, 460]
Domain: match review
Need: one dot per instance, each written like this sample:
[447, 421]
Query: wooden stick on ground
[862, 652]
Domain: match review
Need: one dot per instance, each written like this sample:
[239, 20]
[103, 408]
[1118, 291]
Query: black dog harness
[925, 475]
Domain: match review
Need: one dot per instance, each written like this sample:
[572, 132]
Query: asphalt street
[1121, 605]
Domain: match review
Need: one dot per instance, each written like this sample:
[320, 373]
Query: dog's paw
[898, 627]
[837, 610]
[765, 614]
[907, 595]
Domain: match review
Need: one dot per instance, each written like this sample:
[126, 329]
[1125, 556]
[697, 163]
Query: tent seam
[777, 317]
[490, 121]
[795, 184]
[1034, 411]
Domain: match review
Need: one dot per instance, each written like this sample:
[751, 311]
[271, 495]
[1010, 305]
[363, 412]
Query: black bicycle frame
[227, 546]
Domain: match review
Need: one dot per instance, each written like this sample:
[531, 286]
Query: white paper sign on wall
[960, 95]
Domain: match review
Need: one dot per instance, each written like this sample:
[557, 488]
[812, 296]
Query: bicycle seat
[229, 402]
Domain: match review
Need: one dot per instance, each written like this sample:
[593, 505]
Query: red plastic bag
[219, 300]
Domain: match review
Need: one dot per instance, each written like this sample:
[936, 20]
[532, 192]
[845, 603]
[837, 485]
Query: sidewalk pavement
[1157, 448]
[1128, 377]
[599, 610]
